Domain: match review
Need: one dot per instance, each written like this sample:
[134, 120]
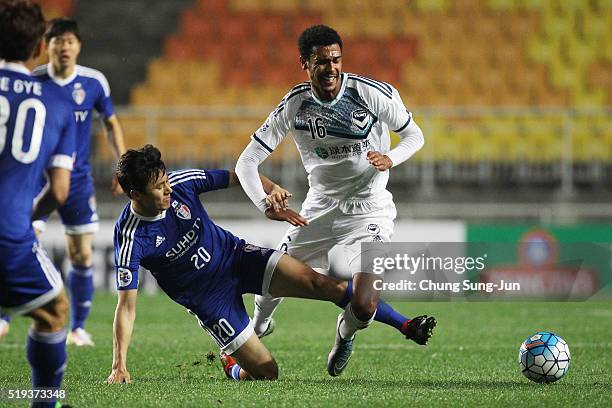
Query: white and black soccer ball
[544, 357]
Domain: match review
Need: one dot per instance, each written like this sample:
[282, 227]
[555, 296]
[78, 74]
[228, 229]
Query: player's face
[63, 51]
[156, 197]
[324, 68]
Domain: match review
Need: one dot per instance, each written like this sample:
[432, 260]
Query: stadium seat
[317, 5]
[282, 6]
[541, 50]
[56, 8]
[438, 53]
[195, 26]
[213, 7]
[244, 5]
[502, 5]
[379, 26]
[437, 6]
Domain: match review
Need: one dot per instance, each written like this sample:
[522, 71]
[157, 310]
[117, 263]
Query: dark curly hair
[137, 168]
[21, 27]
[62, 25]
[317, 36]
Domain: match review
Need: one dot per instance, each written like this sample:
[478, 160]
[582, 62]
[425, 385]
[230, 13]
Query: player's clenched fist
[119, 377]
[380, 161]
[278, 199]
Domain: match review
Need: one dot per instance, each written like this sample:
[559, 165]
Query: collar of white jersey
[337, 98]
[143, 218]
[61, 81]
[13, 66]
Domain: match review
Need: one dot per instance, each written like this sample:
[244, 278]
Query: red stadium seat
[215, 8]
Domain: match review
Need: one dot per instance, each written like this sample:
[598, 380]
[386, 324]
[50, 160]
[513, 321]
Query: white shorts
[346, 223]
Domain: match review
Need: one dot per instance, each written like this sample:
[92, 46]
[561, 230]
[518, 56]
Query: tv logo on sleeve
[124, 277]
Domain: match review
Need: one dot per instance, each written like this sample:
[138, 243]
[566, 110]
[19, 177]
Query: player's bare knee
[320, 282]
[271, 371]
[42, 321]
[60, 307]
[79, 250]
[58, 311]
[265, 371]
[50, 319]
[363, 308]
[81, 259]
[57, 322]
[340, 289]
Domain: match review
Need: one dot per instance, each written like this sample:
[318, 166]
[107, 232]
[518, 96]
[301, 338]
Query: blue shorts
[78, 213]
[223, 314]
[28, 279]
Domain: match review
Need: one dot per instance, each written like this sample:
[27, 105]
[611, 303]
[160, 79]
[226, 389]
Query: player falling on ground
[340, 123]
[88, 90]
[201, 266]
[38, 135]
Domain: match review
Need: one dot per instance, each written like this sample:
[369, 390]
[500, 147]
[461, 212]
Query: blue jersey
[87, 89]
[182, 247]
[37, 131]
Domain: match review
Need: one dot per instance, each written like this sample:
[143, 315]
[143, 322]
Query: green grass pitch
[471, 359]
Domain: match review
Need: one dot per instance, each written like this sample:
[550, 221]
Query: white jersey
[334, 137]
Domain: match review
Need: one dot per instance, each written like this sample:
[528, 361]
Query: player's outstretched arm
[59, 179]
[276, 201]
[277, 197]
[247, 170]
[123, 325]
[115, 139]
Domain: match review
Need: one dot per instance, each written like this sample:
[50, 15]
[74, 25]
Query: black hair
[317, 36]
[60, 26]
[137, 168]
[21, 27]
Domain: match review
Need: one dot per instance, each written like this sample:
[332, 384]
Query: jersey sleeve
[104, 103]
[128, 252]
[200, 181]
[391, 110]
[275, 128]
[63, 155]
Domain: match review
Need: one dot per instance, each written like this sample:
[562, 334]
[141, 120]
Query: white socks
[264, 308]
[350, 323]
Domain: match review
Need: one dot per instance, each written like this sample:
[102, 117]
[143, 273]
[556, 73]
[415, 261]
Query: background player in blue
[201, 266]
[88, 90]
[37, 133]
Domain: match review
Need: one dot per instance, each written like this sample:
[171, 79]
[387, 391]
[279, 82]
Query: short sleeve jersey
[37, 132]
[88, 90]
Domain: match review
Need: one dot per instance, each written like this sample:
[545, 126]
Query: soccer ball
[544, 357]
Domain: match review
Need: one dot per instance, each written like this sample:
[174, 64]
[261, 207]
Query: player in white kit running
[340, 123]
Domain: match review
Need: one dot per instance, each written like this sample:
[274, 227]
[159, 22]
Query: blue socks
[46, 353]
[80, 285]
[234, 372]
[387, 315]
[384, 312]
